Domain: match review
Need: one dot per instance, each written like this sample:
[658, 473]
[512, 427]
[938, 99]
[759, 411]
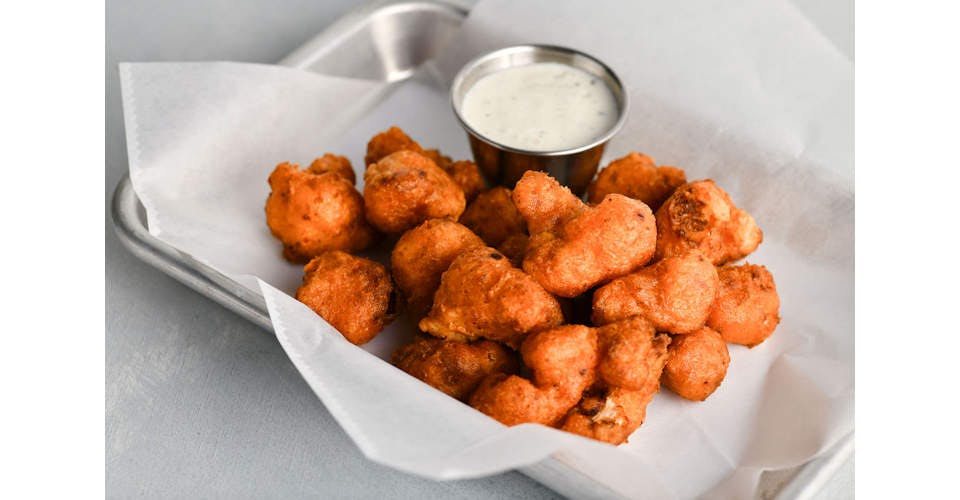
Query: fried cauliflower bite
[482, 296]
[543, 203]
[405, 189]
[675, 294]
[390, 141]
[422, 255]
[562, 361]
[465, 173]
[610, 412]
[630, 352]
[355, 295]
[454, 368]
[747, 310]
[697, 365]
[610, 415]
[339, 165]
[587, 246]
[700, 216]
[515, 247]
[494, 217]
[311, 213]
[636, 176]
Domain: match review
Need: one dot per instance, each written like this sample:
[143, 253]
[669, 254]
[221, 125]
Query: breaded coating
[390, 141]
[333, 163]
[455, 368]
[609, 412]
[562, 361]
[422, 255]
[312, 213]
[700, 216]
[465, 173]
[604, 242]
[638, 177]
[609, 415]
[697, 365]
[588, 245]
[494, 217]
[482, 296]
[675, 294]
[747, 310]
[543, 202]
[515, 247]
[629, 353]
[405, 189]
[355, 295]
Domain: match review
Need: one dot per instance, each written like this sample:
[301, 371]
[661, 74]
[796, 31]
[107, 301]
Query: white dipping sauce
[540, 107]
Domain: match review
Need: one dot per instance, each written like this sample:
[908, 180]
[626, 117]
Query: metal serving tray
[388, 40]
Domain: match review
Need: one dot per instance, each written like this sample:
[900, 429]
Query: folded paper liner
[748, 93]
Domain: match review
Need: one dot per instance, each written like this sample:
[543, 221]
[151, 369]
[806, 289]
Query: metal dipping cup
[503, 164]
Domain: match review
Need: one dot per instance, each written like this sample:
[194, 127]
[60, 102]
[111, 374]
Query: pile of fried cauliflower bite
[532, 305]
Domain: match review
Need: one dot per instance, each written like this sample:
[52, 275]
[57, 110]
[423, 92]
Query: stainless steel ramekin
[504, 165]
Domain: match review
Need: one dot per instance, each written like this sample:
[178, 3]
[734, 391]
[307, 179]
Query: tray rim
[132, 231]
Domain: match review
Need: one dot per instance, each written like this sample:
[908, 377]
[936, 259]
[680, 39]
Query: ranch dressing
[540, 107]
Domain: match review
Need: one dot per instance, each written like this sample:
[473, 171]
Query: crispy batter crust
[543, 202]
[455, 368]
[697, 365]
[465, 173]
[675, 294]
[482, 296]
[311, 213]
[355, 295]
[610, 412]
[748, 307]
[563, 362]
[579, 247]
[638, 177]
[422, 255]
[494, 217]
[700, 216]
[339, 165]
[405, 189]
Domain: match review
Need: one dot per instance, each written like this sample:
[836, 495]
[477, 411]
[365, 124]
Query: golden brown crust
[494, 217]
[630, 352]
[543, 202]
[339, 165]
[573, 247]
[421, 256]
[355, 295]
[609, 415]
[464, 173]
[405, 189]
[515, 247]
[562, 361]
[604, 242]
[455, 368]
[747, 307]
[312, 213]
[697, 365]
[638, 177]
[675, 294]
[390, 141]
[609, 412]
[700, 217]
[482, 296]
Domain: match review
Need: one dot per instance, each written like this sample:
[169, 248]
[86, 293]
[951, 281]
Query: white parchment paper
[746, 93]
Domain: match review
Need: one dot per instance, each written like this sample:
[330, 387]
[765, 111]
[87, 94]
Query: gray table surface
[199, 402]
